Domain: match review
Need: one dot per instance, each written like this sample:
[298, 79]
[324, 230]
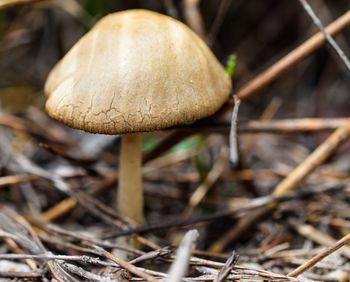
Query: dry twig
[234, 150]
[208, 182]
[293, 58]
[193, 17]
[219, 18]
[126, 265]
[17, 179]
[319, 237]
[225, 271]
[291, 182]
[310, 263]
[179, 267]
[326, 34]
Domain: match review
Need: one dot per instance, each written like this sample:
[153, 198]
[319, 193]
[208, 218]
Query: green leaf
[149, 142]
[231, 64]
[188, 144]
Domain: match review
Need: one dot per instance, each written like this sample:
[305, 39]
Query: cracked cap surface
[136, 71]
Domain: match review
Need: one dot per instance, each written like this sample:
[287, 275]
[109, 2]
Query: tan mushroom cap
[136, 71]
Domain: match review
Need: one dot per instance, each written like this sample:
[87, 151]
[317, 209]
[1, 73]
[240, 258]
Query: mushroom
[135, 71]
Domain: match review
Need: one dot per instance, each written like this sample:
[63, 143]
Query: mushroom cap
[136, 71]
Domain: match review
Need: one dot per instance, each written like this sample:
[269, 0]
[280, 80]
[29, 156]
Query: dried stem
[290, 183]
[225, 271]
[310, 263]
[128, 266]
[293, 58]
[219, 18]
[329, 37]
[209, 181]
[193, 17]
[234, 152]
[179, 267]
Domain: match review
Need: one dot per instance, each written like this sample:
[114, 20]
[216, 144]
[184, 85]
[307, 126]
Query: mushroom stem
[130, 193]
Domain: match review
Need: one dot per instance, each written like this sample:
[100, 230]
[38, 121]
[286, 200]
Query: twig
[70, 235]
[21, 274]
[17, 179]
[310, 263]
[88, 276]
[316, 158]
[319, 237]
[179, 267]
[86, 201]
[329, 37]
[209, 181]
[163, 252]
[126, 265]
[292, 125]
[225, 271]
[219, 18]
[28, 239]
[284, 126]
[293, 58]
[68, 204]
[236, 211]
[291, 182]
[271, 126]
[234, 153]
[193, 17]
[239, 272]
[82, 259]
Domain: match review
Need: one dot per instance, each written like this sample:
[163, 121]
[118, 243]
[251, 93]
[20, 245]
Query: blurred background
[34, 37]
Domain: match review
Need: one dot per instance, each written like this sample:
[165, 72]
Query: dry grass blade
[307, 265]
[235, 211]
[239, 273]
[151, 255]
[68, 204]
[290, 183]
[17, 179]
[87, 276]
[329, 37]
[126, 265]
[193, 16]
[209, 181]
[63, 207]
[291, 59]
[293, 125]
[320, 155]
[179, 267]
[225, 271]
[319, 237]
[234, 151]
[277, 126]
[20, 275]
[217, 23]
[25, 236]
